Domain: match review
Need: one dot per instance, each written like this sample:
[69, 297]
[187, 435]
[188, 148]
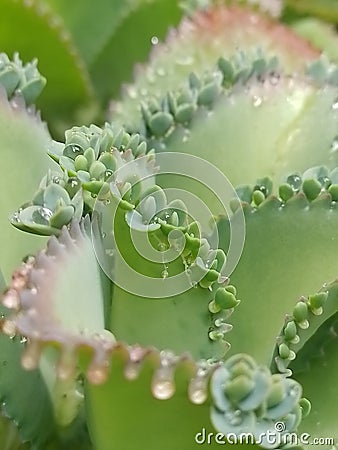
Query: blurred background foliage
[88, 49]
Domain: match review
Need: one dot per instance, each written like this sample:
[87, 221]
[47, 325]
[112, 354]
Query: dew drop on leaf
[45, 213]
[294, 181]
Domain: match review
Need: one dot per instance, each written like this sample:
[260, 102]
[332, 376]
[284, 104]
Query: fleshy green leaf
[278, 266]
[24, 141]
[113, 407]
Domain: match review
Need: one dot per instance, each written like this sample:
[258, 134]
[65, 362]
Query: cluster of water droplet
[312, 183]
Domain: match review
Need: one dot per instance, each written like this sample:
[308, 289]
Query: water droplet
[165, 273]
[56, 180]
[23, 340]
[30, 357]
[97, 374]
[108, 173]
[11, 299]
[73, 182]
[132, 370]
[76, 149]
[45, 213]
[65, 371]
[198, 387]
[163, 389]
[8, 327]
[73, 150]
[335, 104]
[15, 218]
[257, 101]
[197, 392]
[295, 182]
[154, 40]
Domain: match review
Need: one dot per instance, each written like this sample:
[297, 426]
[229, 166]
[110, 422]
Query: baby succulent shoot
[169, 239]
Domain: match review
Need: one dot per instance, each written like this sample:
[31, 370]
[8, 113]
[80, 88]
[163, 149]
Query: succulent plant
[181, 287]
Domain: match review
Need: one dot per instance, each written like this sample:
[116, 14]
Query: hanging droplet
[132, 370]
[8, 327]
[133, 366]
[97, 374]
[154, 40]
[162, 385]
[335, 104]
[198, 387]
[11, 299]
[30, 357]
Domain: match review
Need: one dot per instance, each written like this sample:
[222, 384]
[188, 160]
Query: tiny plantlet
[169, 211]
